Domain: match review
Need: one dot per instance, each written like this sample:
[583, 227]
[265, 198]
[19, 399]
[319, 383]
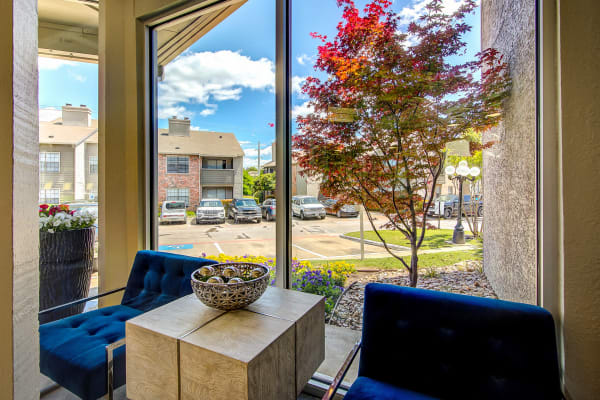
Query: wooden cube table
[186, 350]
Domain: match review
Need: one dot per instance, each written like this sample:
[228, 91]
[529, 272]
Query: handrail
[76, 302]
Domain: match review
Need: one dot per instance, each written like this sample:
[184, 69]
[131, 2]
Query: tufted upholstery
[159, 278]
[453, 346]
[72, 350]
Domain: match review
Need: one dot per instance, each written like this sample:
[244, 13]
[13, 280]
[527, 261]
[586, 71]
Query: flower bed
[326, 280]
[60, 218]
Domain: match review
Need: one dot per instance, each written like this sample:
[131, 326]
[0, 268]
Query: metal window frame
[178, 163]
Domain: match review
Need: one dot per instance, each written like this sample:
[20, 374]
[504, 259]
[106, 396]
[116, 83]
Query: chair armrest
[84, 300]
[337, 381]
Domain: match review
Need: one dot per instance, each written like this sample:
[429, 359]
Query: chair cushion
[369, 389]
[72, 350]
[458, 347]
[158, 278]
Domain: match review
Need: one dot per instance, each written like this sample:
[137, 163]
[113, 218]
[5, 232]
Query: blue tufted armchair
[81, 351]
[421, 344]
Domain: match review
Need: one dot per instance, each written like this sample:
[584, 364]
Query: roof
[203, 143]
[54, 132]
[269, 164]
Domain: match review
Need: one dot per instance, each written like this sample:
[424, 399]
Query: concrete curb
[374, 243]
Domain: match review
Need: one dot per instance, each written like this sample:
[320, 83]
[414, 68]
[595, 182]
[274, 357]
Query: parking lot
[312, 239]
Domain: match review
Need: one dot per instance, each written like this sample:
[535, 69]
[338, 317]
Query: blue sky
[225, 81]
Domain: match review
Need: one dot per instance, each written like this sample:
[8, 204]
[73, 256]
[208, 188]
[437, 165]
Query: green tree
[248, 182]
[263, 183]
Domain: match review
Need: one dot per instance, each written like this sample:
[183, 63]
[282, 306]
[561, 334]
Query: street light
[461, 173]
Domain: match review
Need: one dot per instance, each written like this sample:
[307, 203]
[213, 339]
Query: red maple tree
[390, 104]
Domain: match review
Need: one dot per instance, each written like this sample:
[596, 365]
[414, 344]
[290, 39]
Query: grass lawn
[426, 260]
[434, 238]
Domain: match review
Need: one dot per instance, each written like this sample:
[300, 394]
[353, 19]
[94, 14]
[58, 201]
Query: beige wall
[580, 115]
[19, 345]
[65, 179]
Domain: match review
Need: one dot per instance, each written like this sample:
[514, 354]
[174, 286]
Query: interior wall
[19, 344]
[579, 23]
[509, 166]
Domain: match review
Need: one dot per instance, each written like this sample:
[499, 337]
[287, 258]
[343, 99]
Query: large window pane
[216, 116]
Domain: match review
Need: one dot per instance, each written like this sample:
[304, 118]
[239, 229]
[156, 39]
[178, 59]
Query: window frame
[93, 171]
[45, 191]
[179, 197]
[44, 163]
[179, 159]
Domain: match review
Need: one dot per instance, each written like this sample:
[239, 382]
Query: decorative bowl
[231, 296]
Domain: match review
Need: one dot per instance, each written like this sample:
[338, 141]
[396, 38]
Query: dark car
[451, 205]
[268, 209]
[244, 210]
[333, 207]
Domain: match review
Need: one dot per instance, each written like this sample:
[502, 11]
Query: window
[217, 193]
[179, 195]
[49, 162]
[93, 165]
[178, 165]
[49, 196]
[216, 164]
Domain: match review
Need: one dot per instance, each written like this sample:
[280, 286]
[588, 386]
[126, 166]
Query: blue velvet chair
[422, 344]
[77, 352]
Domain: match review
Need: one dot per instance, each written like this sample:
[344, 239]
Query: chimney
[76, 116]
[179, 127]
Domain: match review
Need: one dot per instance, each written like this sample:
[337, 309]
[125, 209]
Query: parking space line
[218, 247]
[308, 251]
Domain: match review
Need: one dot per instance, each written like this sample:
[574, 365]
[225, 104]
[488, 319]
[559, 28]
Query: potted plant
[66, 258]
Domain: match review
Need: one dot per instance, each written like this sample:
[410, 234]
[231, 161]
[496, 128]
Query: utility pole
[259, 172]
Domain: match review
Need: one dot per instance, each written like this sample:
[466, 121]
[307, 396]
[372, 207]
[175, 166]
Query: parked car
[451, 205]
[307, 207]
[268, 209]
[244, 210]
[173, 211]
[210, 210]
[333, 207]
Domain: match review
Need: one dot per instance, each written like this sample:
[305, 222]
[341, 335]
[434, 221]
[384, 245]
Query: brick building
[198, 164]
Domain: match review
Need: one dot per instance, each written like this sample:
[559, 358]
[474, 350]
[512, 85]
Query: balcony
[217, 177]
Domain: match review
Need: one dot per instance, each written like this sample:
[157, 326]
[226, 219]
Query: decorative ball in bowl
[230, 286]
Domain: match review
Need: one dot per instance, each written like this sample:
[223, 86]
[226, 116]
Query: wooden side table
[185, 350]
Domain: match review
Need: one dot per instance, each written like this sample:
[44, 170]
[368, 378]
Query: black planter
[66, 262]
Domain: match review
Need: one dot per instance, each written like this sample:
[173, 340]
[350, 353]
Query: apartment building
[198, 164]
[69, 157]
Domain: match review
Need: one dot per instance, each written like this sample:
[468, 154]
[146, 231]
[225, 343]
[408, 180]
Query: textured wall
[509, 166]
[19, 344]
[580, 125]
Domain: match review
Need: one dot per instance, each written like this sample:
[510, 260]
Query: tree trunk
[414, 273]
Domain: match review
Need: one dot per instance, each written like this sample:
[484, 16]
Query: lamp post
[461, 173]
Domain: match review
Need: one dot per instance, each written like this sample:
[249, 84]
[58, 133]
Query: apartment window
[49, 162]
[178, 194]
[49, 196]
[216, 164]
[178, 165]
[93, 165]
[217, 193]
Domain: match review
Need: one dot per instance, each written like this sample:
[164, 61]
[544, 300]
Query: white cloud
[253, 152]
[197, 128]
[213, 76]
[77, 77]
[253, 161]
[412, 12]
[49, 114]
[173, 111]
[304, 59]
[53, 63]
[244, 142]
[297, 82]
[302, 109]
